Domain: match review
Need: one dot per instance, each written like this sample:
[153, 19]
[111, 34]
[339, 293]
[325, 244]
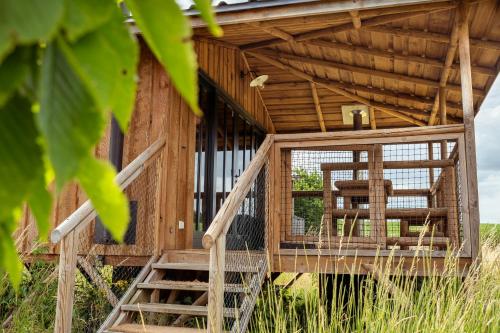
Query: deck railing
[236, 239]
[141, 181]
[369, 193]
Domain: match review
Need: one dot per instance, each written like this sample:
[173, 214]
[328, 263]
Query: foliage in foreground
[65, 66]
[436, 304]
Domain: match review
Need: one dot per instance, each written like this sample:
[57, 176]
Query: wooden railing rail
[215, 237]
[222, 221]
[68, 231]
[86, 213]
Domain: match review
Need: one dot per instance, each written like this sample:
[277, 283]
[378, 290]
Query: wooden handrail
[85, 213]
[222, 221]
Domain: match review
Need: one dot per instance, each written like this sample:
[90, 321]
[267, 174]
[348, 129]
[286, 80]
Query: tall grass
[399, 303]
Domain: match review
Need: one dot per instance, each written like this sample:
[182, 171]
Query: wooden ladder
[149, 303]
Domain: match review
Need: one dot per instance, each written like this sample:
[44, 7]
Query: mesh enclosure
[245, 254]
[386, 196]
[105, 269]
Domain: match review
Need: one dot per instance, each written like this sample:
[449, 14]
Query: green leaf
[83, 16]
[106, 61]
[97, 179]
[28, 21]
[40, 202]
[69, 119]
[207, 13]
[168, 32]
[21, 155]
[13, 71]
[9, 260]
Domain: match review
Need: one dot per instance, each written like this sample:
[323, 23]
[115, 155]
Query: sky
[488, 155]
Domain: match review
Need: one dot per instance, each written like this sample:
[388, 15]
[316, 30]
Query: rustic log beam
[356, 20]
[433, 36]
[470, 143]
[445, 73]
[373, 122]
[333, 87]
[317, 106]
[362, 70]
[378, 20]
[393, 55]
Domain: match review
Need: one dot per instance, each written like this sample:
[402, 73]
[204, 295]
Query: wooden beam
[362, 70]
[333, 87]
[383, 19]
[442, 107]
[433, 36]
[394, 55]
[98, 280]
[247, 65]
[470, 143]
[356, 20]
[384, 93]
[445, 73]
[317, 105]
[66, 283]
[373, 122]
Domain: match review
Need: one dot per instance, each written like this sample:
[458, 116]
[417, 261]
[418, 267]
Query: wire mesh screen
[398, 196]
[245, 254]
[105, 269]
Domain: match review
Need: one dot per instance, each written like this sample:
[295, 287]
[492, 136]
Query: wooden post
[216, 285]
[468, 114]
[66, 284]
[327, 205]
[377, 194]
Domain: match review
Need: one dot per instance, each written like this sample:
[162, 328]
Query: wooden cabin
[358, 149]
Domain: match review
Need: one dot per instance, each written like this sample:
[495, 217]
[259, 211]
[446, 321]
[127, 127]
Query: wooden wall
[225, 65]
[159, 110]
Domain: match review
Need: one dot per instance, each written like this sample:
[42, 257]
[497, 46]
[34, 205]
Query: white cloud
[488, 155]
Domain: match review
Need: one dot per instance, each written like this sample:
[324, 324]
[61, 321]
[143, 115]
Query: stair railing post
[66, 284]
[216, 285]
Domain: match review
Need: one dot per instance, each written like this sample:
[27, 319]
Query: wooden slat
[141, 328]
[394, 55]
[393, 213]
[194, 310]
[433, 36]
[362, 70]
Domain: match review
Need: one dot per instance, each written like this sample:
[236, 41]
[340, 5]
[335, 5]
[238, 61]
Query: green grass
[443, 303]
[438, 304]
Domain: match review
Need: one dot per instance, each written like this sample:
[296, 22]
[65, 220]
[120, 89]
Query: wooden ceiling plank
[325, 83]
[374, 21]
[317, 106]
[433, 36]
[362, 70]
[393, 55]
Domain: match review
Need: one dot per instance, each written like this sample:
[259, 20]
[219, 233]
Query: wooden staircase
[172, 292]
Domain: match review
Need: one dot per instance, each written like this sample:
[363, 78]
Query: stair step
[194, 310]
[139, 328]
[189, 285]
[201, 267]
